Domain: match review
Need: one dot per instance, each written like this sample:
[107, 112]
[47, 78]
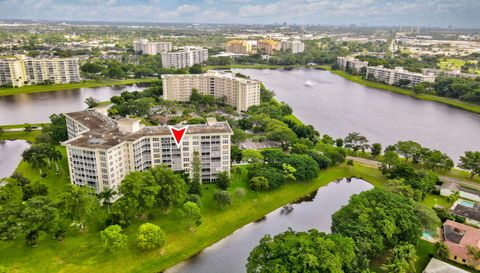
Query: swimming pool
[466, 203]
[426, 235]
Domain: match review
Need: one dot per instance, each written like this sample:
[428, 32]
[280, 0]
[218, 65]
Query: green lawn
[82, 253]
[56, 87]
[451, 64]
[28, 136]
[14, 126]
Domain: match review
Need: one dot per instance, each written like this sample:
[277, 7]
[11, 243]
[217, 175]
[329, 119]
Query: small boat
[309, 83]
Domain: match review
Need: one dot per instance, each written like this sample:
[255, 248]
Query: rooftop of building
[459, 236]
[437, 266]
[107, 136]
[212, 73]
[468, 212]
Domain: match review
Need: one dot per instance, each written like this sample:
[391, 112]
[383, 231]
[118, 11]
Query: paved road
[458, 181]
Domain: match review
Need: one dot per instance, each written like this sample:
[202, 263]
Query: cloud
[187, 9]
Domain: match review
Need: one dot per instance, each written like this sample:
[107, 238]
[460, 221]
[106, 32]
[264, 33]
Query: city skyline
[441, 13]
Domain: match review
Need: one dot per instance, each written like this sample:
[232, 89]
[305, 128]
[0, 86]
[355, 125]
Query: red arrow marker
[178, 134]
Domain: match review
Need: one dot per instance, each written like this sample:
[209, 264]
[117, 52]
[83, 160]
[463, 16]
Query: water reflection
[10, 155]
[230, 254]
[336, 106]
[37, 107]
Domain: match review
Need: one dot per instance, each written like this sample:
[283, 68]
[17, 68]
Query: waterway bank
[58, 87]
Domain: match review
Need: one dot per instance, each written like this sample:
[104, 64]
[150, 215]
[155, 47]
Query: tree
[192, 214]
[470, 161]
[437, 161]
[378, 220]
[376, 149]
[196, 180]
[223, 180]
[150, 236]
[56, 157]
[474, 254]
[37, 161]
[140, 189]
[91, 102]
[442, 252]
[409, 149]
[282, 134]
[339, 142]
[390, 159]
[195, 69]
[252, 156]
[303, 252]
[172, 188]
[76, 203]
[113, 238]
[356, 142]
[106, 196]
[57, 130]
[259, 183]
[222, 199]
[428, 217]
[402, 259]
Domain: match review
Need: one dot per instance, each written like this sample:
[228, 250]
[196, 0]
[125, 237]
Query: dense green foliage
[150, 236]
[303, 252]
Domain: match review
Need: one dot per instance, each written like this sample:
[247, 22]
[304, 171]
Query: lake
[37, 107]
[336, 106]
[313, 211]
[11, 155]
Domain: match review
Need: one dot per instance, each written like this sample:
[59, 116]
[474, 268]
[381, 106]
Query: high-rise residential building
[240, 46]
[144, 47]
[239, 92]
[12, 72]
[185, 57]
[102, 151]
[294, 46]
[394, 76]
[449, 73]
[347, 63]
[268, 46]
[19, 71]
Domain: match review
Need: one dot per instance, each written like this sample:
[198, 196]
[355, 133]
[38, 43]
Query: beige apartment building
[346, 63]
[19, 71]
[393, 76]
[268, 46]
[241, 93]
[102, 151]
[144, 47]
[239, 46]
[293, 46]
[185, 57]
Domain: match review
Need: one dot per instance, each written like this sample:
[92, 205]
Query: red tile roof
[459, 236]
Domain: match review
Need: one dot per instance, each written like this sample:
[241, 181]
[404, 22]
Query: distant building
[394, 76]
[186, 57]
[268, 46]
[19, 70]
[238, 92]
[347, 63]
[294, 46]
[240, 46]
[102, 151]
[144, 47]
[458, 238]
[437, 266]
[450, 73]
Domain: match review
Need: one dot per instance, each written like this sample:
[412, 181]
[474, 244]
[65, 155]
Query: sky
[432, 13]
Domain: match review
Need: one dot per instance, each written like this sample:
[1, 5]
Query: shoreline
[59, 87]
[474, 108]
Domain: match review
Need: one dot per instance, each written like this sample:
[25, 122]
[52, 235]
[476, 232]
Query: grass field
[28, 136]
[451, 64]
[56, 87]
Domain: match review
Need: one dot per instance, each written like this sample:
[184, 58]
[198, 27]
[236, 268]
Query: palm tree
[36, 161]
[56, 157]
[106, 195]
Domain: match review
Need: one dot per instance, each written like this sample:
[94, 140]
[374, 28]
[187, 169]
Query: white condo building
[186, 57]
[19, 71]
[294, 46]
[241, 93]
[145, 47]
[101, 151]
[346, 63]
[393, 76]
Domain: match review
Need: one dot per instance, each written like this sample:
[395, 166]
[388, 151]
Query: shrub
[150, 236]
[222, 198]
